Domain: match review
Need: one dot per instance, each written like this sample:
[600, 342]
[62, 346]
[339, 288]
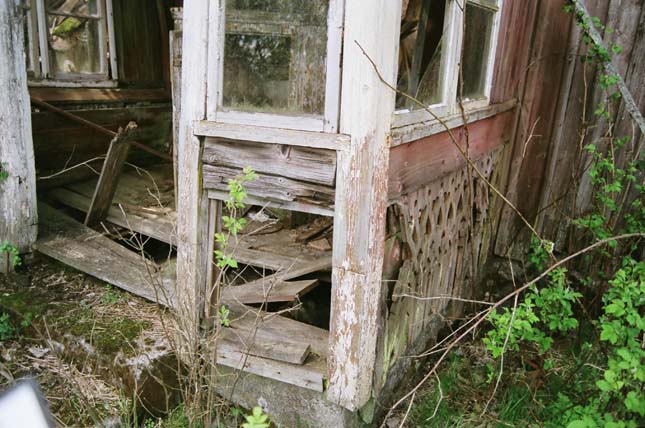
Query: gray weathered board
[18, 216]
[269, 291]
[298, 163]
[110, 173]
[70, 242]
[271, 187]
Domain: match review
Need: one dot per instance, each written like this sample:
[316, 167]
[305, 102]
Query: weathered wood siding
[18, 220]
[567, 192]
[59, 141]
[538, 93]
[547, 178]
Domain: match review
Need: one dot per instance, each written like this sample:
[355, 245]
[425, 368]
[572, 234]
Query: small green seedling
[257, 419]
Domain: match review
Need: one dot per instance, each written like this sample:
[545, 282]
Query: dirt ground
[102, 357]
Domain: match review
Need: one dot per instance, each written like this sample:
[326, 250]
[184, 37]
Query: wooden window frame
[450, 68]
[40, 72]
[327, 122]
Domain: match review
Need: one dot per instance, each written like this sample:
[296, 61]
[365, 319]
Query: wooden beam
[109, 178]
[18, 211]
[262, 134]
[193, 263]
[297, 162]
[367, 107]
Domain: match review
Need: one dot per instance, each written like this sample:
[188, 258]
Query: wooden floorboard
[258, 342]
[70, 242]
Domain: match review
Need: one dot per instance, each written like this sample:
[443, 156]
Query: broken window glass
[74, 36]
[275, 56]
[476, 50]
[420, 52]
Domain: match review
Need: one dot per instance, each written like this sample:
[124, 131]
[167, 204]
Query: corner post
[367, 105]
[18, 212]
[192, 261]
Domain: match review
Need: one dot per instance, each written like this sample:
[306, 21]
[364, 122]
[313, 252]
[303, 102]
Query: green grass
[526, 397]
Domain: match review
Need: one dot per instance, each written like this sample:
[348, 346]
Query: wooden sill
[99, 95]
[409, 133]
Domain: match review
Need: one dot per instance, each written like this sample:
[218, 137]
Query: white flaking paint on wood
[367, 106]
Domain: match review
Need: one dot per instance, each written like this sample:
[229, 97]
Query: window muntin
[68, 43]
[275, 56]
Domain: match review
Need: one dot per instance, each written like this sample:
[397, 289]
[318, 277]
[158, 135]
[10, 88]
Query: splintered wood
[110, 174]
[69, 241]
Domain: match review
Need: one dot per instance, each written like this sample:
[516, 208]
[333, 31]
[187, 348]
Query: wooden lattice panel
[442, 229]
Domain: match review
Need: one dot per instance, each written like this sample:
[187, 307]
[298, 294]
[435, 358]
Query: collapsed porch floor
[262, 343]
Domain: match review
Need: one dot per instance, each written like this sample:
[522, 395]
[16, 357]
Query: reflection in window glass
[73, 34]
[275, 55]
[476, 50]
[420, 57]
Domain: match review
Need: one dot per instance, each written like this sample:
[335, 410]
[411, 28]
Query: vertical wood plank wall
[559, 94]
[627, 19]
[18, 218]
[538, 94]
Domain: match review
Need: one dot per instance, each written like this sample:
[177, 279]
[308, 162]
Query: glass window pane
[275, 55]
[74, 42]
[420, 58]
[73, 7]
[476, 50]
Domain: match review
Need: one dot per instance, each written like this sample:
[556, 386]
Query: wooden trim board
[263, 134]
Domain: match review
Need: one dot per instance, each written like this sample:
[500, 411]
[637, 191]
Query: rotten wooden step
[260, 346]
[263, 291]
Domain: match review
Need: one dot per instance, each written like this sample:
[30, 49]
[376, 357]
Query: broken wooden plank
[304, 207]
[299, 163]
[267, 291]
[297, 268]
[272, 326]
[271, 187]
[70, 242]
[160, 229]
[261, 346]
[268, 135]
[304, 376]
[109, 179]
